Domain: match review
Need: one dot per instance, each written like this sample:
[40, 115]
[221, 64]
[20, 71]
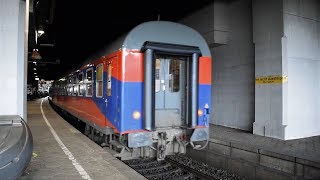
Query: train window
[89, 82]
[69, 85]
[80, 85]
[75, 88]
[157, 76]
[109, 79]
[99, 80]
[174, 75]
[65, 88]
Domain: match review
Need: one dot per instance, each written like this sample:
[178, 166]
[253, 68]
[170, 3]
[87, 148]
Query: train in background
[145, 95]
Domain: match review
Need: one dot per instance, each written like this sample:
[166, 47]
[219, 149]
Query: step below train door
[170, 84]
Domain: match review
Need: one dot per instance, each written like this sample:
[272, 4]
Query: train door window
[80, 85]
[174, 75]
[109, 67]
[157, 76]
[99, 80]
[89, 82]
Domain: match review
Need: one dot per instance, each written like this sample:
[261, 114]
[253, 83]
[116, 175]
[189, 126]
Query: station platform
[62, 152]
[258, 157]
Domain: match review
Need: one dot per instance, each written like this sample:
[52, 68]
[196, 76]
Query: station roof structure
[65, 33]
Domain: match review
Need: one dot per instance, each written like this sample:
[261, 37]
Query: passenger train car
[147, 94]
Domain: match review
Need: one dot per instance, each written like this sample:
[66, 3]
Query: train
[147, 94]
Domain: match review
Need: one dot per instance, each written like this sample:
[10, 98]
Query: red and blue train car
[148, 92]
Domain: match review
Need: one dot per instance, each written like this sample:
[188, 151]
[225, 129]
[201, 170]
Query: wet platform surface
[61, 152]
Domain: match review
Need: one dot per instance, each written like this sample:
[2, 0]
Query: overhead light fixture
[35, 55]
[34, 68]
[37, 79]
[46, 45]
[35, 73]
[40, 32]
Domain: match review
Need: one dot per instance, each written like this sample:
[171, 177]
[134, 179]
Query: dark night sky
[80, 28]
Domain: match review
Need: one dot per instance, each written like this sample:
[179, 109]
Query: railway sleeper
[173, 173]
[147, 165]
[139, 161]
[159, 169]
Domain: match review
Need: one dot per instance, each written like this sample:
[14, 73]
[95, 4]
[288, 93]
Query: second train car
[146, 94]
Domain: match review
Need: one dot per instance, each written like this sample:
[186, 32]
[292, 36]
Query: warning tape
[271, 79]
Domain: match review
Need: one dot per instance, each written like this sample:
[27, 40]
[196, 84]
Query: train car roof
[154, 31]
[165, 32]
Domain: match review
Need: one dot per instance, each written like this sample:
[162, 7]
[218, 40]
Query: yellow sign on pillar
[277, 79]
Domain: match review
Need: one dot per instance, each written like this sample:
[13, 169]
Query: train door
[112, 99]
[169, 91]
[99, 90]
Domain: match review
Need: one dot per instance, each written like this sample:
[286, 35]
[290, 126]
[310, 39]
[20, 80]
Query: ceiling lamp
[40, 32]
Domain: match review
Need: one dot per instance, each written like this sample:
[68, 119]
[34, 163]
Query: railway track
[178, 167]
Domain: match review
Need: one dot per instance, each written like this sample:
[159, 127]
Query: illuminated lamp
[40, 32]
[136, 115]
[36, 55]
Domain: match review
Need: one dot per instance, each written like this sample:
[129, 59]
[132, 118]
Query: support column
[287, 61]
[13, 56]
[270, 112]
[301, 52]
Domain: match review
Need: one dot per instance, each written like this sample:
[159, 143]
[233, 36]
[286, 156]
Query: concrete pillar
[233, 66]
[301, 52]
[286, 38]
[227, 27]
[270, 98]
[205, 25]
[13, 56]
